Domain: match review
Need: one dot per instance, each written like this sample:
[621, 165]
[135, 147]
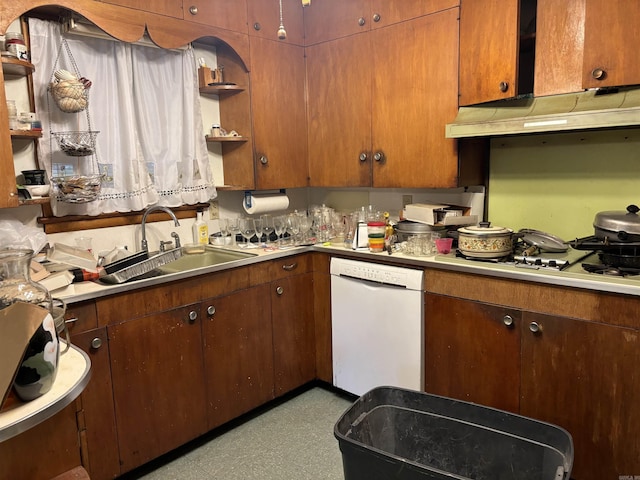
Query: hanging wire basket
[71, 96]
[77, 188]
[77, 144]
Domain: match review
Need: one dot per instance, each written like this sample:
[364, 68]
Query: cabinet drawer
[275, 269]
[81, 317]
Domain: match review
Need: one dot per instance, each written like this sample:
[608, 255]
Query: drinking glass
[280, 226]
[293, 226]
[233, 225]
[267, 225]
[247, 230]
[305, 225]
[257, 226]
[224, 229]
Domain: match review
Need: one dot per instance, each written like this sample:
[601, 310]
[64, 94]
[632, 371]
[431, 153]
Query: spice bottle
[14, 43]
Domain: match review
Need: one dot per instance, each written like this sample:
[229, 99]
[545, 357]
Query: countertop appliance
[376, 319]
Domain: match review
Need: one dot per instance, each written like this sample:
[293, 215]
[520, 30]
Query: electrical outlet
[406, 200]
[214, 211]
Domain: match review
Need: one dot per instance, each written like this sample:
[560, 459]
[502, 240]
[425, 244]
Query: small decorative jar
[39, 366]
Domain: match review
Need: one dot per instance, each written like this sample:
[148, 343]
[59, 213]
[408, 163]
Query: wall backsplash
[557, 183]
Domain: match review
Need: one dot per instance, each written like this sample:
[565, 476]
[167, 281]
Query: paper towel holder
[248, 193]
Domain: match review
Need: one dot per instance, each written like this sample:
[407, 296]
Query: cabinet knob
[193, 315]
[193, 10]
[361, 21]
[599, 73]
[535, 327]
[378, 157]
[376, 17]
[257, 26]
[264, 160]
[279, 290]
[363, 157]
[96, 343]
[504, 86]
[508, 320]
[211, 310]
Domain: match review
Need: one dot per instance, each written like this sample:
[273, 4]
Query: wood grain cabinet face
[170, 8]
[227, 14]
[264, 20]
[392, 91]
[580, 375]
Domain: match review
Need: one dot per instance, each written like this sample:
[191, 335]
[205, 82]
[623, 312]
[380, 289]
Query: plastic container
[392, 433]
[200, 230]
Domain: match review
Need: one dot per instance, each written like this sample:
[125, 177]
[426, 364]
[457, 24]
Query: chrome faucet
[145, 245]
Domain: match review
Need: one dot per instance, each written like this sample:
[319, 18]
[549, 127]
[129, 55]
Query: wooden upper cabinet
[611, 43]
[384, 12]
[489, 49]
[264, 19]
[279, 115]
[170, 8]
[227, 14]
[330, 19]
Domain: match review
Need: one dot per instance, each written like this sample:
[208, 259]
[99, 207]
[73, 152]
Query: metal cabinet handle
[290, 267]
[193, 315]
[363, 157]
[535, 327]
[264, 160]
[71, 320]
[599, 73]
[504, 86]
[96, 343]
[378, 157]
[211, 310]
[508, 320]
[376, 17]
[257, 26]
[279, 290]
[361, 21]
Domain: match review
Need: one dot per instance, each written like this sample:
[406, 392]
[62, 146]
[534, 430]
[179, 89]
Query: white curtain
[145, 104]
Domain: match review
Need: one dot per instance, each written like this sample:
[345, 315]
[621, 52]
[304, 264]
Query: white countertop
[573, 277]
[74, 372]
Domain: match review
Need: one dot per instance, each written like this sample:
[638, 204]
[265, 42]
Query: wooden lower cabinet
[238, 353]
[580, 375]
[158, 388]
[294, 354]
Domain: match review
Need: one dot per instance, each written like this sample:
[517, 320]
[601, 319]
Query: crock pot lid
[485, 229]
[407, 226]
[619, 221]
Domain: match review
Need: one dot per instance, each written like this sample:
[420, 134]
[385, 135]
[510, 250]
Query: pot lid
[544, 241]
[619, 221]
[407, 226]
[485, 228]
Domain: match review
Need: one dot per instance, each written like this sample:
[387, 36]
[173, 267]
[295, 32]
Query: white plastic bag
[13, 234]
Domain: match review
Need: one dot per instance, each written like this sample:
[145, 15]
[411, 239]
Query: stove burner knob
[538, 261]
[553, 264]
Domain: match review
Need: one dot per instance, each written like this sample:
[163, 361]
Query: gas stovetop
[536, 260]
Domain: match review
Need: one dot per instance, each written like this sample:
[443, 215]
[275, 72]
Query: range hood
[587, 110]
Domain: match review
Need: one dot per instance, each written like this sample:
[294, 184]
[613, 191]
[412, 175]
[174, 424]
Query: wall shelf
[221, 89]
[26, 134]
[226, 139]
[13, 66]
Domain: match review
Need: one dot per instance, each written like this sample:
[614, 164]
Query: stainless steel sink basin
[210, 257]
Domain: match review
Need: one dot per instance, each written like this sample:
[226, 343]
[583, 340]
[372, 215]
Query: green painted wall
[557, 183]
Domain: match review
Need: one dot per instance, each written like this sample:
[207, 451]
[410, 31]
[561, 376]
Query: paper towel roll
[265, 203]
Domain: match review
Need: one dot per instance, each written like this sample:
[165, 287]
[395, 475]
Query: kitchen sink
[211, 256]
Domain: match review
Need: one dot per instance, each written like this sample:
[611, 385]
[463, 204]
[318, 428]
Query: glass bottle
[39, 365]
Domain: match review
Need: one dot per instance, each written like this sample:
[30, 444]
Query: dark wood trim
[73, 223]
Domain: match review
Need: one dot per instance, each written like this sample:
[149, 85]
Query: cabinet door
[583, 376]
[339, 111]
[170, 8]
[238, 353]
[228, 14]
[610, 43]
[489, 39]
[279, 116]
[98, 437]
[384, 12]
[472, 352]
[330, 19]
[158, 388]
[264, 19]
[414, 96]
[293, 332]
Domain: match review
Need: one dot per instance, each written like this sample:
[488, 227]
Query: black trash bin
[391, 433]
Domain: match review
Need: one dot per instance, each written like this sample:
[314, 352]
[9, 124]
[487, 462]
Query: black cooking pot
[618, 226]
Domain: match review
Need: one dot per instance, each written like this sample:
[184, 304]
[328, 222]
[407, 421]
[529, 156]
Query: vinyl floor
[292, 439]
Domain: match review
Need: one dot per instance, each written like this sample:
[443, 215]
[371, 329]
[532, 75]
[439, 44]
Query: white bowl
[38, 190]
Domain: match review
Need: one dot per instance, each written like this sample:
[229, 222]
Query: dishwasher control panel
[375, 272]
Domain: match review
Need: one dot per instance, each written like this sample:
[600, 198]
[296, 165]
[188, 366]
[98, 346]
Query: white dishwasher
[376, 326]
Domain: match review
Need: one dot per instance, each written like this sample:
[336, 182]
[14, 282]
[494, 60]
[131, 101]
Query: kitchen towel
[256, 204]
